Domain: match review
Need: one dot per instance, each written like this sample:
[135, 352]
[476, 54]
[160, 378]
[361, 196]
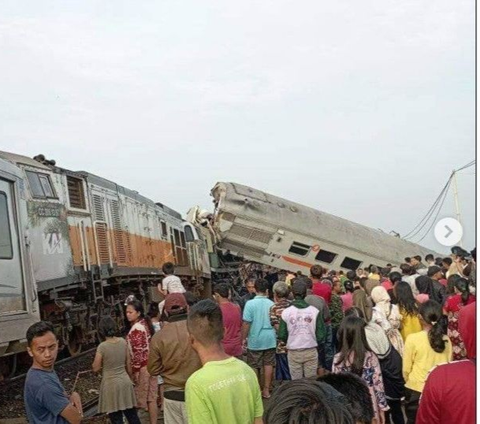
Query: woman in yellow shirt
[422, 352]
[408, 309]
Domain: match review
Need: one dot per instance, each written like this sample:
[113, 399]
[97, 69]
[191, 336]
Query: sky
[358, 109]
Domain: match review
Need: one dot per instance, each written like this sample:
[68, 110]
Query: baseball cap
[175, 302]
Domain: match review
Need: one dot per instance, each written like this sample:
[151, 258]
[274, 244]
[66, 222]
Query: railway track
[57, 363]
[75, 373]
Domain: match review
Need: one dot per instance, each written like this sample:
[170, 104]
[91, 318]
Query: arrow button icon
[450, 231]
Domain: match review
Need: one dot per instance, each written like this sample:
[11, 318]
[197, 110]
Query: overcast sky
[359, 109]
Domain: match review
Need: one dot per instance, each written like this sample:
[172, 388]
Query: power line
[429, 213]
[441, 198]
[434, 219]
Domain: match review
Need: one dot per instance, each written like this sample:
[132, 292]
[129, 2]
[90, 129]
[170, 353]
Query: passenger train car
[266, 229]
[74, 245]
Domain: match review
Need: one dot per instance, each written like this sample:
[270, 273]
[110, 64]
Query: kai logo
[52, 243]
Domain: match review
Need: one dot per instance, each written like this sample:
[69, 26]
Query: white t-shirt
[173, 284]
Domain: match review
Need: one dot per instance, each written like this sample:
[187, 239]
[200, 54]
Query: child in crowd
[170, 284]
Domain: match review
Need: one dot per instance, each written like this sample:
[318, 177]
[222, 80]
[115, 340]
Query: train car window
[76, 195]
[350, 263]
[325, 256]
[177, 237]
[164, 229]
[6, 248]
[189, 234]
[182, 239]
[299, 248]
[40, 185]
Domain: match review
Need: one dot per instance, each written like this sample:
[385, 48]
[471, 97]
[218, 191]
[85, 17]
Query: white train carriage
[273, 231]
[18, 295]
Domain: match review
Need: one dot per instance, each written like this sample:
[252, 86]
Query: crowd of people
[390, 345]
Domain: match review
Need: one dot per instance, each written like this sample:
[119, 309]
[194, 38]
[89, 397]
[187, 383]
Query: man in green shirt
[224, 390]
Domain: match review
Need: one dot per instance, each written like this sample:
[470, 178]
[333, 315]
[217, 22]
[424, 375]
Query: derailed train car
[86, 243]
[269, 230]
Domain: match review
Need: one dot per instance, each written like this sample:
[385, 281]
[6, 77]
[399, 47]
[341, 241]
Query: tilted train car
[93, 242]
[273, 231]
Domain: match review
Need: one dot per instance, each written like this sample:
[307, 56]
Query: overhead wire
[434, 219]
[439, 200]
[429, 213]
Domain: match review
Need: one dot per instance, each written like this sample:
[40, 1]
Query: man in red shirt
[232, 321]
[449, 393]
[320, 287]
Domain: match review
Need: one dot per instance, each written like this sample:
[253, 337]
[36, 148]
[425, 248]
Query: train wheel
[74, 345]
[8, 367]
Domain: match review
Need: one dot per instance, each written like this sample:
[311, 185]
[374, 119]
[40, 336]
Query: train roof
[135, 195]
[23, 160]
[95, 179]
[330, 228]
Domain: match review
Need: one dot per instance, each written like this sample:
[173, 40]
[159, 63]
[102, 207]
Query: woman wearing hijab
[361, 300]
[387, 316]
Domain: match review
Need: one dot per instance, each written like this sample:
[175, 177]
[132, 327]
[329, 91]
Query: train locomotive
[74, 245]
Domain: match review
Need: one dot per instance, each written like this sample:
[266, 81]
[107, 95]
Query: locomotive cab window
[299, 248]
[350, 263]
[164, 229]
[325, 256]
[40, 185]
[76, 195]
[189, 234]
[6, 248]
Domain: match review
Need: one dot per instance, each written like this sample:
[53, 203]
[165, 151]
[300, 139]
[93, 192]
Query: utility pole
[455, 196]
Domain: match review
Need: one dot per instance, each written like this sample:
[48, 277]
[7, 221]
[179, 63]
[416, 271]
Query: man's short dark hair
[205, 322]
[351, 275]
[168, 268]
[432, 270]
[191, 300]
[395, 277]
[307, 402]
[373, 269]
[406, 269]
[38, 329]
[222, 290]
[250, 279]
[429, 257]
[356, 393]
[407, 260]
[316, 271]
[261, 285]
[447, 261]
[299, 289]
[418, 258]
[385, 271]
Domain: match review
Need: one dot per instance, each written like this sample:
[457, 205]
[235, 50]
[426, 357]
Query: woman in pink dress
[356, 357]
[453, 305]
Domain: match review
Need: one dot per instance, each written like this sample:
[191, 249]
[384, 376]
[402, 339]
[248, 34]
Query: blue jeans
[282, 371]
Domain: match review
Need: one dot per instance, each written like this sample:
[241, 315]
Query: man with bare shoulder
[46, 401]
